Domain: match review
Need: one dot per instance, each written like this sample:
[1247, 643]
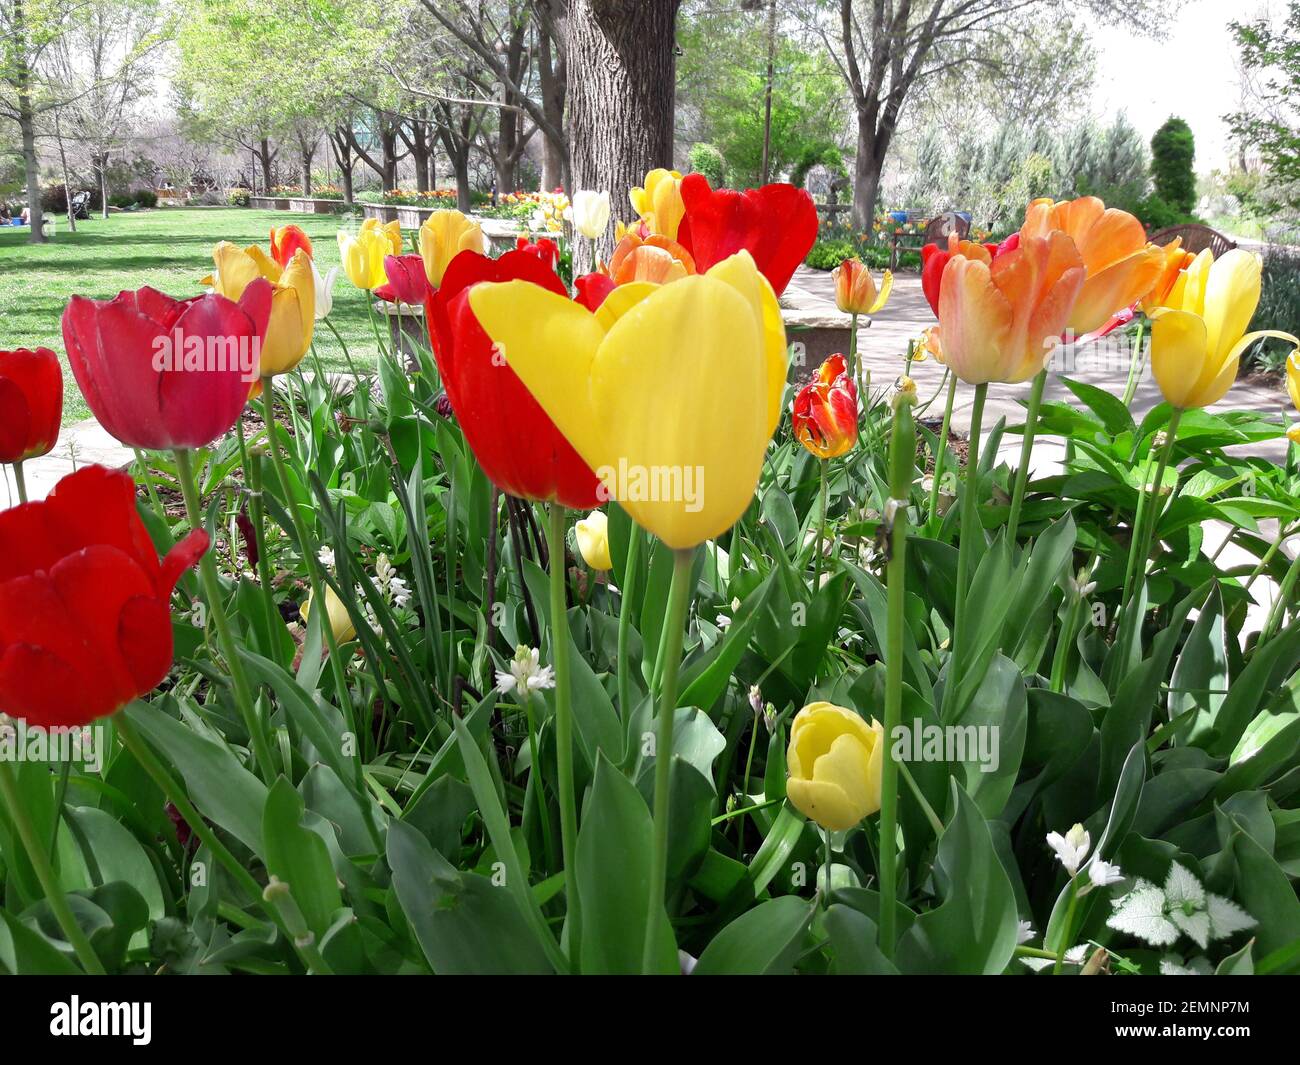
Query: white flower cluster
[526, 673]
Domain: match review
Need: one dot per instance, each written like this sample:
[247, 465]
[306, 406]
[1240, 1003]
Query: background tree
[884, 49]
[1269, 122]
[622, 73]
[1173, 152]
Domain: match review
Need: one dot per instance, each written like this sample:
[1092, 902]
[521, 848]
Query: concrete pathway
[80, 444]
[883, 346]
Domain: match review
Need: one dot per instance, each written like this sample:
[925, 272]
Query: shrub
[1279, 308]
[828, 254]
[121, 201]
[146, 198]
[239, 197]
[1173, 150]
[707, 159]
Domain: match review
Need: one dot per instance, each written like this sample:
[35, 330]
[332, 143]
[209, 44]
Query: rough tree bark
[265, 156]
[622, 75]
[341, 145]
[27, 127]
[552, 73]
[306, 153]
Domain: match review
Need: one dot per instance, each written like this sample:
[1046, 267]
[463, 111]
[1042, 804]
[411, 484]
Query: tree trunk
[264, 157]
[622, 73]
[63, 164]
[102, 167]
[867, 168]
[341, 145]
[460, 167]
[552, 70]
[27, 129]
[307, 152]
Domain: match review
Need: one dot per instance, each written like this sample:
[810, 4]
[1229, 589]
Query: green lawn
[170, 249]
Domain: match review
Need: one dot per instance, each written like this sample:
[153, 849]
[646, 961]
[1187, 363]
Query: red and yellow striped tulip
[825, 415]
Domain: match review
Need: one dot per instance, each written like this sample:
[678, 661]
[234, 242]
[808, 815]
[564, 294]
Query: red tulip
[776, 224]
[825, 416]
[514, 441]
[285, 240]
[31, 403]
[162, 373]
[407, 280]
[591, 290]
[85, 621]
[544, 248]
[934, 259]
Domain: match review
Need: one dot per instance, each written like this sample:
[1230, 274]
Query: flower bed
[597, 635]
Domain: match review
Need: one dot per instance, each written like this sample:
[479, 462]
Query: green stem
[970, 528]
[253, 478]
[902, 452]
[935, 822]
[149, 486]
[539, 789]
[49, 881]
[826, 886]
[225, 634]
[1279, 607]
[21, 481]
[1134, 365]
[821, 525]
[1066, 930]
[941, 451]
[1026, 450]
[306, 548]
[679, 598]
[563, 724]
[1064, 641]
[625, 624]
[1147, 519]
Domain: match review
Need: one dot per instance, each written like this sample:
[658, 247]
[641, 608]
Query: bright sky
[1189, 71]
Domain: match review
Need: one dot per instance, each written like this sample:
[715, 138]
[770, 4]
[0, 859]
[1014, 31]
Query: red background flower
[85, 620]
[31, 403]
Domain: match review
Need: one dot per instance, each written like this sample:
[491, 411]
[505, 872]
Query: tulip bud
[855, 288]
[340, 621]
[834, 760]
[593, 540]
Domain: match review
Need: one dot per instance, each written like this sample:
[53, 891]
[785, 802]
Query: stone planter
[268, 203]
[406, 331]
[814, 335]
[308, 205]
[380, 211]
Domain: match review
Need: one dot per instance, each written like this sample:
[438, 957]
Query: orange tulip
[1120, 266]
[855, 288]
[655, 258]
[1001, 320]
[1177, 260]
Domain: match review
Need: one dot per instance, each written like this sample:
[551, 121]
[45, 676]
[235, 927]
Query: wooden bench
[1195, 237]
[936, 232]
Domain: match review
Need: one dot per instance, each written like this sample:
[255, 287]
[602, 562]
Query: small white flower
[326, 556]
[1081, 587]
[1077, 955]
[1024, 932]
[722, 621]
[1072, 848]
[384, 570]
[399, 592]
[324, 287]
[1103, 874]
[755, 699]
[526, 674]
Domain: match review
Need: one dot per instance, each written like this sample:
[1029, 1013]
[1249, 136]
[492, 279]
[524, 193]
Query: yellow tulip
[834, 761]
[340, 620]
[658, 203]
[444, 235]
[855, 288]
[1120, 266]
[390, 231]
[293, 300]
[593, 540]
[669, 393]
[1293, 378]
[1197, 337]
[363, 255]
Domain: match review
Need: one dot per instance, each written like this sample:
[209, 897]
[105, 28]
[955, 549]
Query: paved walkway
[884, 346]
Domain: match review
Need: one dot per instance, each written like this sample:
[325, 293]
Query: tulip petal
[1178, 346]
